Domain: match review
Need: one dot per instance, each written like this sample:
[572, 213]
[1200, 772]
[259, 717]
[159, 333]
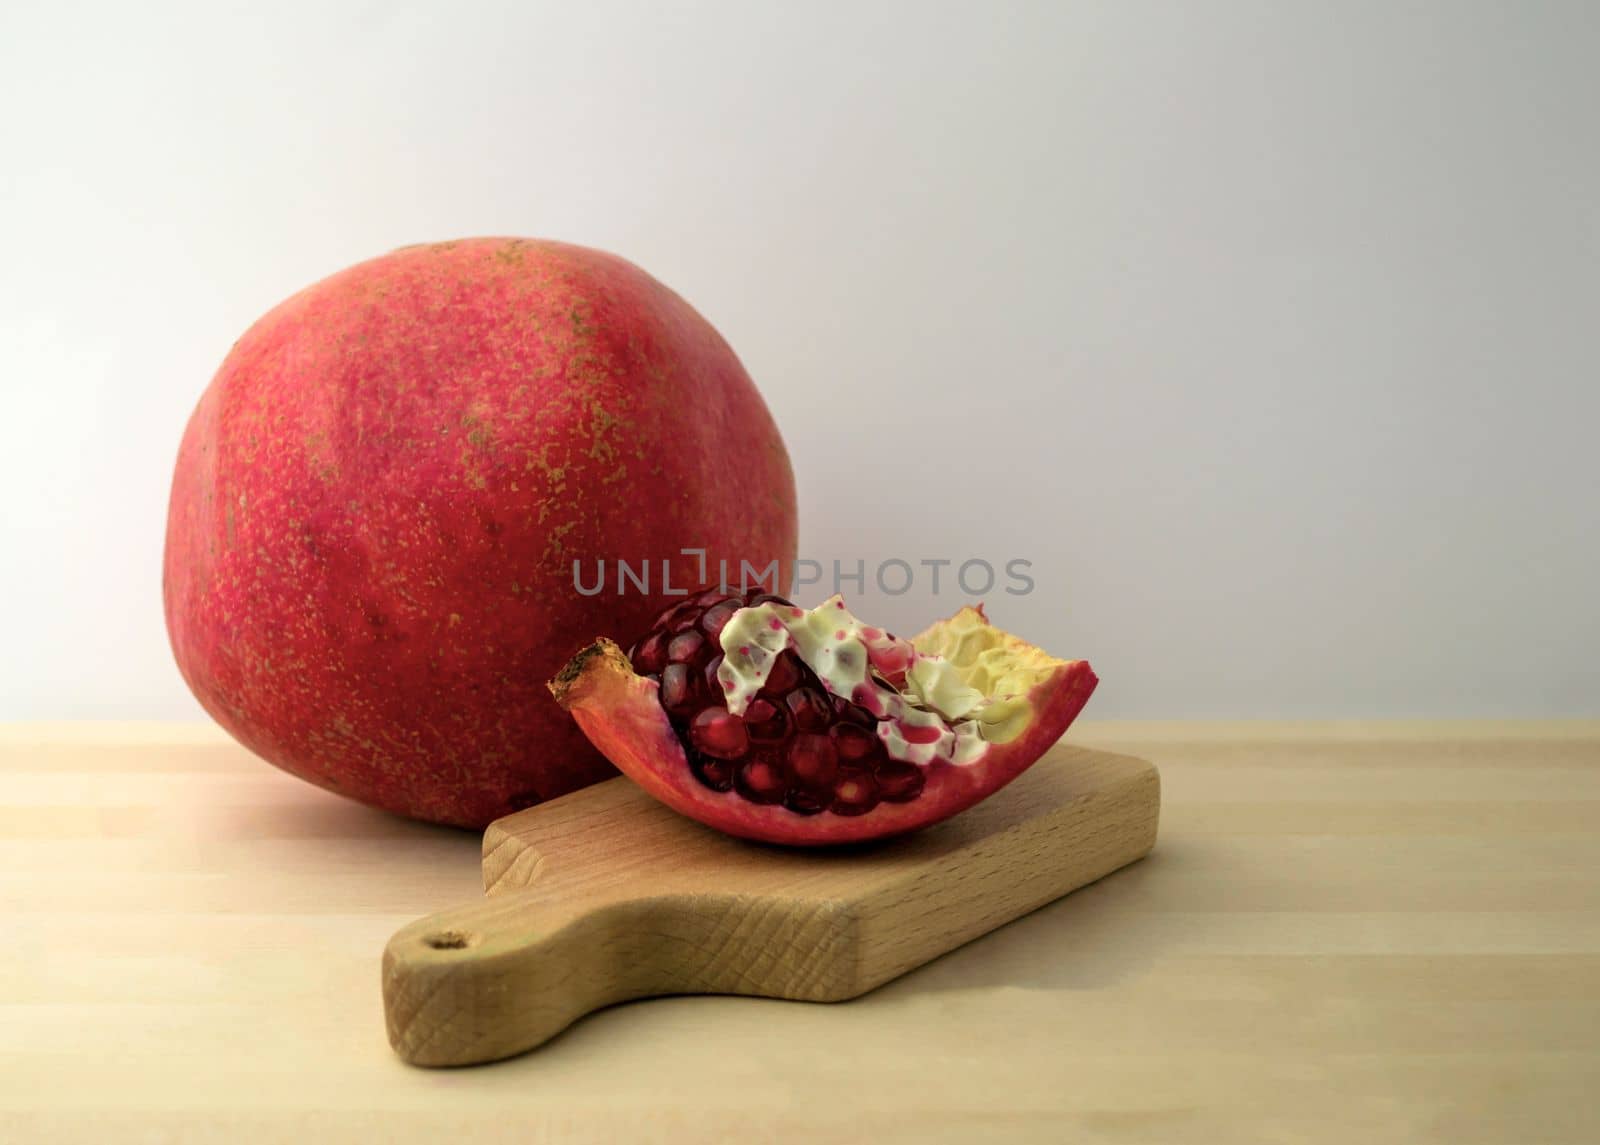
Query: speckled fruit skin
[378, 500]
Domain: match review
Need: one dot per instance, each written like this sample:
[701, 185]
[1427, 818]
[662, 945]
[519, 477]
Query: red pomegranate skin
[377, 503]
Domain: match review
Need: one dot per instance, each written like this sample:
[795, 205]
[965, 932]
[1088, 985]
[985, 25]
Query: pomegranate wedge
[808, 727]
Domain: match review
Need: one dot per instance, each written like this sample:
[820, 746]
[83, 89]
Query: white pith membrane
[965, 685]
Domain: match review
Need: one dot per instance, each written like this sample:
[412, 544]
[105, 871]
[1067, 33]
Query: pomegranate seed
[804, 802]
[716, 619]
[769, 598]
[813, 761]
[677, 612]
[714, 773]
[809, 708]
[899, 782]
[678, 691]
[785, 675]
[714, 687]
[921, 733]
[685, 647]
[854, 794]
[649, 656]
[853, 713]
[853, 743]
[760, 782]
[707, 597]
[765, 720]
[684, 620]
[719, 733]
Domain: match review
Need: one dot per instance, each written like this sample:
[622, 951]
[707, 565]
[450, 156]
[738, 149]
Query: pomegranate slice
[808, 727]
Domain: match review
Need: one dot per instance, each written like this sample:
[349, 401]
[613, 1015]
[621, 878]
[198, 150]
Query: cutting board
[605, 895]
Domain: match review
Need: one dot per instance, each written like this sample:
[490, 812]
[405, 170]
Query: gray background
[1265, 330]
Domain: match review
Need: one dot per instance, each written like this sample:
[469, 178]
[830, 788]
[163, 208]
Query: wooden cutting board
[606, 895]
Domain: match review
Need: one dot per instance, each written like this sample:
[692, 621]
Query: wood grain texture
[606, 896]
[1386, 933]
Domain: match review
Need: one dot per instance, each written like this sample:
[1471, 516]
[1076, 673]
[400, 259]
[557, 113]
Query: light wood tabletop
[1347, 932]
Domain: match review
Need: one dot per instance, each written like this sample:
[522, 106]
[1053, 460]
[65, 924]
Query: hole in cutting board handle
[450, 940]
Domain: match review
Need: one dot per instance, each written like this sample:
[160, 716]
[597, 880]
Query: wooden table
[1347, 933]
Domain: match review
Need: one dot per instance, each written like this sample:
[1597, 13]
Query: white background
[1267, 331]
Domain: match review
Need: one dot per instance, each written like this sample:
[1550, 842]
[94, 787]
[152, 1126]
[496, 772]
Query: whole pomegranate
[808, 727]
[380, 498]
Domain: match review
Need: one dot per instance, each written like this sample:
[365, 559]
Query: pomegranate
[776, 723]
[379, 501]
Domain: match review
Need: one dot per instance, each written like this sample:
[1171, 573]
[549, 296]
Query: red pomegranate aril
[683, 620]
[685, 646]
[803, 802]
[707, 597]
[679, 693]
[760, 782]
[786, 674]
[813, 761]
[853, 743]
[716, 774]
[765, 721]
[714, 687]
[899, 782]
[719, 733]
[852, 713]
[891, 679]
[677, 612]
[921, 733]
[717, 617]
[809, 709]
[854, 793]
[649, 656]
[769, 598]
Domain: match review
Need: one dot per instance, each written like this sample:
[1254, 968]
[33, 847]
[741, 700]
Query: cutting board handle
[500, 975]
[495, 977]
